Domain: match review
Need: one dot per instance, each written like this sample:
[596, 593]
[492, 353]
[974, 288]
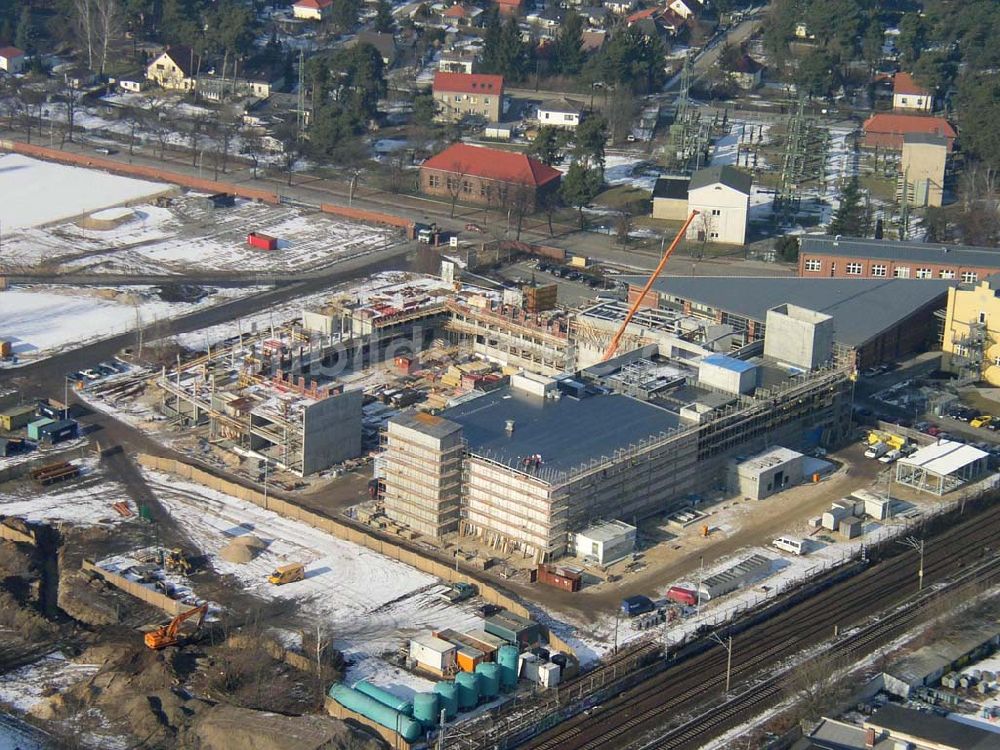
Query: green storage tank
[489, 680]
[370, 708]
[468, 690]
[384, 697]
[425, 709]
[507, 659]
[449, 698]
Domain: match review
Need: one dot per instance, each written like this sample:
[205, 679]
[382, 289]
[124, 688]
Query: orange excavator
[168, 635]
[613, 346]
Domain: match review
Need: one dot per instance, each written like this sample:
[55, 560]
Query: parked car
[877, 450]
[91, 375]
[981, 421]
[890, 457]
[470, 227]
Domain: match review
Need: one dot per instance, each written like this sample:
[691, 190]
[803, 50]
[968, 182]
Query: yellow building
[922, 168]
[173, 69]
[972, 330]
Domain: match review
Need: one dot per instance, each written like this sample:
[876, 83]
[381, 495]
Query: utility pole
[701, 576]
[728, 645]
[918, 545]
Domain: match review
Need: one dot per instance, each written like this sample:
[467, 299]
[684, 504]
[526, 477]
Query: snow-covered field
[38, 192]
[369, 603]
[27, 687]
[42, 320]
[191, 237]
[82, 502]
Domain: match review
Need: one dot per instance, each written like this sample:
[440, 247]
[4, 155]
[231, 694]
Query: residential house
[560, 113]
[216, 89]
[312, 10]
[133, 82]
[487, 176]
[747, 72]
[593, 40]
[721, 195]
[173, 69]
[510, 7]
[922, 168]
[656, 21]
[621, 7]
[909, 96]
[670, 197]
[685, 8]
[459, 95]
[547, 20]
[887, 131]
[461, 15]
[802, 31]
[462, 60]
[12, 60]
[383, 42]
[596, 17]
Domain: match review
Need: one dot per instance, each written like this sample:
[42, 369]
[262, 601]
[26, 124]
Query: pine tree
[25, 37]
[850, 215]
[569, 44]
[546, 145]
[580, 186]
[383, 17]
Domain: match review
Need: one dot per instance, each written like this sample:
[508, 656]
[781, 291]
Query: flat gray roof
[861, 308]
[913, 252]
[565, 432]
[426, 423]
[932, 729]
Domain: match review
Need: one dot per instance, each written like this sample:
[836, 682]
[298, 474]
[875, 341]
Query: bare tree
[253, 148]
[108, 25]
[157, 119]
[519, 201]
[85, 23]
[72, 96]
[819, 686]
[624, 226]
[135, 117]
[456, 184]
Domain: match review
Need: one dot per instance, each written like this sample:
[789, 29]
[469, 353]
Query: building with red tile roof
[11, 59]
[460, 95]
[888, 130]
[908, 95]
[487, 176]
[510, 7]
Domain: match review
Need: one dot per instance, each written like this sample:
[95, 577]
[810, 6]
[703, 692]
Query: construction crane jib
[613, 346]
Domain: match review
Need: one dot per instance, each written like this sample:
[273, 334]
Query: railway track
[691, 684]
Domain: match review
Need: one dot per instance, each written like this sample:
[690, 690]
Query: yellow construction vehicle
[895, 442]
[176, 562]
[981, 421]
[287, 574]
[169, 634]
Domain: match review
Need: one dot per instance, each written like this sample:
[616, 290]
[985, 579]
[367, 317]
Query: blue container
[489, 680]
[507, 659]
[425, 709]
[468, 690]
[384, 697]
[448, 694]
[382, 715]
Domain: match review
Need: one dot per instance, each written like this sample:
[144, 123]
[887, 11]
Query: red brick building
[888, 130]
[487, 176]
[822, 256]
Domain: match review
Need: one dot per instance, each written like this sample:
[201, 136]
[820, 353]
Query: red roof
[468, 83]
[641, 14]
[492, 164]
[903, 124]
[11, 52]
[456, 11]
[903, 83]
[314, 4]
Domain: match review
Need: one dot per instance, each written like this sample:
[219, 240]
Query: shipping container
[560, 578]
[513, 628]
[469, 658]
[5, 349]
[682, 595]
[433, 654]
[46, 409]
[35, 428]
[636, 605]
[17, 417]
[56, 432]
[262, 241]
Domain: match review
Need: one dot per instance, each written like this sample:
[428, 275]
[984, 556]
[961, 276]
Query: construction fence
[345, 532]
[371, 217]
[162, 601]
[138, 170]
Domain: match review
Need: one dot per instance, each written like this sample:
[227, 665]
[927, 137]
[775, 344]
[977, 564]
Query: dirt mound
[83, 600]
[225, 727]
[243, 549]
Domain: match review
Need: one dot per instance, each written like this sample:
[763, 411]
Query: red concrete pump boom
[613, 346]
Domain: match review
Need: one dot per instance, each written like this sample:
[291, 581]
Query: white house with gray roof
[721, 195]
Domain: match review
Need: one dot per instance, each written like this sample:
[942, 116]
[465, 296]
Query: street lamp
[918, 545]
[728, 645]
